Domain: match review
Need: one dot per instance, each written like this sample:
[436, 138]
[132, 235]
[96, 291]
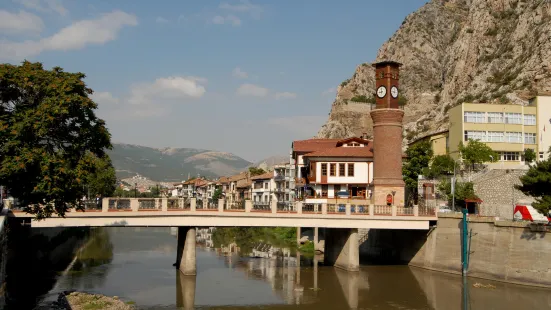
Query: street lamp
[135, 190]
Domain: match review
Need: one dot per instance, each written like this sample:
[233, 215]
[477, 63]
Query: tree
[477, 152]
[463, 191]
[47, 128]
[529, 156]
[440, 165]
[217, 194]
[256, 171]
[418, 158]
[155, 191]
[102, 180]
[537, 183]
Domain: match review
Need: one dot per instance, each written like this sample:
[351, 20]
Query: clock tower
[388, 183]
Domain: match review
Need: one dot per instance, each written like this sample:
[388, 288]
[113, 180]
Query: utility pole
[453, 187]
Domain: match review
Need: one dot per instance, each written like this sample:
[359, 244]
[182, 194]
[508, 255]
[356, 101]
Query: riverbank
[85, 301]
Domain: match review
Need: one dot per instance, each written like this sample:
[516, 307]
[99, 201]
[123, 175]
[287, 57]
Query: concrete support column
[415, 210]
[220, 205]
[299, 207]
[248, 205]
[347, 210]
[273, 206]
[342, 248]
[324, 208]
[134, 204]
[104, 204]
[298, 235]
[394, 210]
[316, 238]
[185, 255]
[185, 291]
[164, 204]
[315, 273]
[193, 204]
[371, 210]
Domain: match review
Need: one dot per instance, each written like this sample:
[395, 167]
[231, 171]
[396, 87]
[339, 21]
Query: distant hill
[173, 164]
[269, 162]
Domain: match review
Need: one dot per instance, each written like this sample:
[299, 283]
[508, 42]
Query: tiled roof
[264, 176]
[364, 151]
[243, 183]
[313, 145]
[353, 139]
[237, 177]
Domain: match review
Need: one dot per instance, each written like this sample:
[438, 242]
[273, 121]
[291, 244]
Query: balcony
[279, 178]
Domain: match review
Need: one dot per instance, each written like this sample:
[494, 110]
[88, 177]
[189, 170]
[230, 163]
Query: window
[495, 136]
[513, 137]
[513, 118]
[529, 119]
[541, 155]
[475, 117]
[324, 190]
[324, 169]
[529, 138]
[510, 156]
[475, 135]
[332, 170]
[337, 188]
[257, 185]
[265, 185]
[342, 170]
[350, 170]
[495, 117]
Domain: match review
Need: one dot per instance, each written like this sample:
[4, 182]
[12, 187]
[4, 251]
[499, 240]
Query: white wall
[363, 173]
[544, 117]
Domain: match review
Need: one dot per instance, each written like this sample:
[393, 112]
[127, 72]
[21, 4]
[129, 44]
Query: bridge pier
[341, 248]
[185, 291]
[185, 257]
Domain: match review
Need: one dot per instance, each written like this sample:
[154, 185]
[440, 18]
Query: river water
[136, 265]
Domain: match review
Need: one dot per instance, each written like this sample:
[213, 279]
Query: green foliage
[217, 194]
[47, 128]
[247, 237]
[307, 248]
[469, 30]
[440, 165]
[477, 152]
[362, 98]
[418, 158]
[491, 32]
[402, 101]
[344, 83]
[537, 183]
[102, 180]
[256, 171]
[463, 191]
[529, 156]
[155, 191]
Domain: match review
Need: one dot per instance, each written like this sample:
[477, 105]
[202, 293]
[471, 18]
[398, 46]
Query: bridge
[343, 218]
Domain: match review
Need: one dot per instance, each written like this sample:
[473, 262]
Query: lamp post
[135, 190]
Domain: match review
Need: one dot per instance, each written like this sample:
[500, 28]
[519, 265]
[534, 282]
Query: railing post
[248, 205]
[164, 204]
[193, 204]
[347, 210]
[323, 208]
[105, 205]
[134, 204]
[273, 206]
[299, 207]
[371, 210]
[394, 210]
[436, 210]
[415, 210]
[221, 205]
[181, 203]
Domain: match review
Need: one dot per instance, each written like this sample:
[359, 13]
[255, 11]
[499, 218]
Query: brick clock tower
[387, 119]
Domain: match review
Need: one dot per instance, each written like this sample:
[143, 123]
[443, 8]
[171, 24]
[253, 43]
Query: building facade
[506, 128]
[439, 142]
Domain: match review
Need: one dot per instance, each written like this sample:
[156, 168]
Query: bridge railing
[247, 206]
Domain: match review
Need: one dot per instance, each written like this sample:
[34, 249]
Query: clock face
[381, 92]
[394, 92]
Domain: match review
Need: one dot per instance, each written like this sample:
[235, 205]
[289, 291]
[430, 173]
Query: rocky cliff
[453, 51]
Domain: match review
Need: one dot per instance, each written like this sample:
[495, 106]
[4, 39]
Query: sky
[240, 76]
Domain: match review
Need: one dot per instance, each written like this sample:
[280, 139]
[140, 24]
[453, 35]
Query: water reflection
[143, 272]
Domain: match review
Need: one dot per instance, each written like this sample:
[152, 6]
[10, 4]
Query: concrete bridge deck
[178, 212]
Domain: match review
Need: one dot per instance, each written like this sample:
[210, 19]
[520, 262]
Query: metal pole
[453, 188]
[464, 239]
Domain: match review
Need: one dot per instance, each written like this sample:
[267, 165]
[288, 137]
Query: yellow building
[507, 128]
[438, 141]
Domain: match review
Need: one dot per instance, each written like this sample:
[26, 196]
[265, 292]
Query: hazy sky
[246, 77]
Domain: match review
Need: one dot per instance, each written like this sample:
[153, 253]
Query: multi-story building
[284, 178]
[439, 142]
[263, 189]
[238, 189]
[507, 128]
[340, 169]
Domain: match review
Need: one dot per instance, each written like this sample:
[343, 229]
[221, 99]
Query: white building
[263, 190]
[345, 167]
[284, 178]
[543, 112]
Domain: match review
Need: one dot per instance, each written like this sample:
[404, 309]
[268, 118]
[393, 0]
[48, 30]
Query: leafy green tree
[217, 194]
[537, 183]
[256, 171]
[463, 191]
[47, 128]
[418, 158]
[476, 152]
[440, 165]
[103, 179]
[155, 191]
[529, 156]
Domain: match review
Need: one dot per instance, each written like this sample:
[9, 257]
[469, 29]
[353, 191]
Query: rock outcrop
[454, 51]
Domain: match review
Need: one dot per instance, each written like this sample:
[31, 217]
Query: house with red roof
[326, 167]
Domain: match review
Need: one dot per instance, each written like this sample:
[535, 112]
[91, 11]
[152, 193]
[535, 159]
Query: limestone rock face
[453, 51]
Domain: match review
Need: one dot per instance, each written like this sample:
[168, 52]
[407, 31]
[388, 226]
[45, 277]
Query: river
[136, 265]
